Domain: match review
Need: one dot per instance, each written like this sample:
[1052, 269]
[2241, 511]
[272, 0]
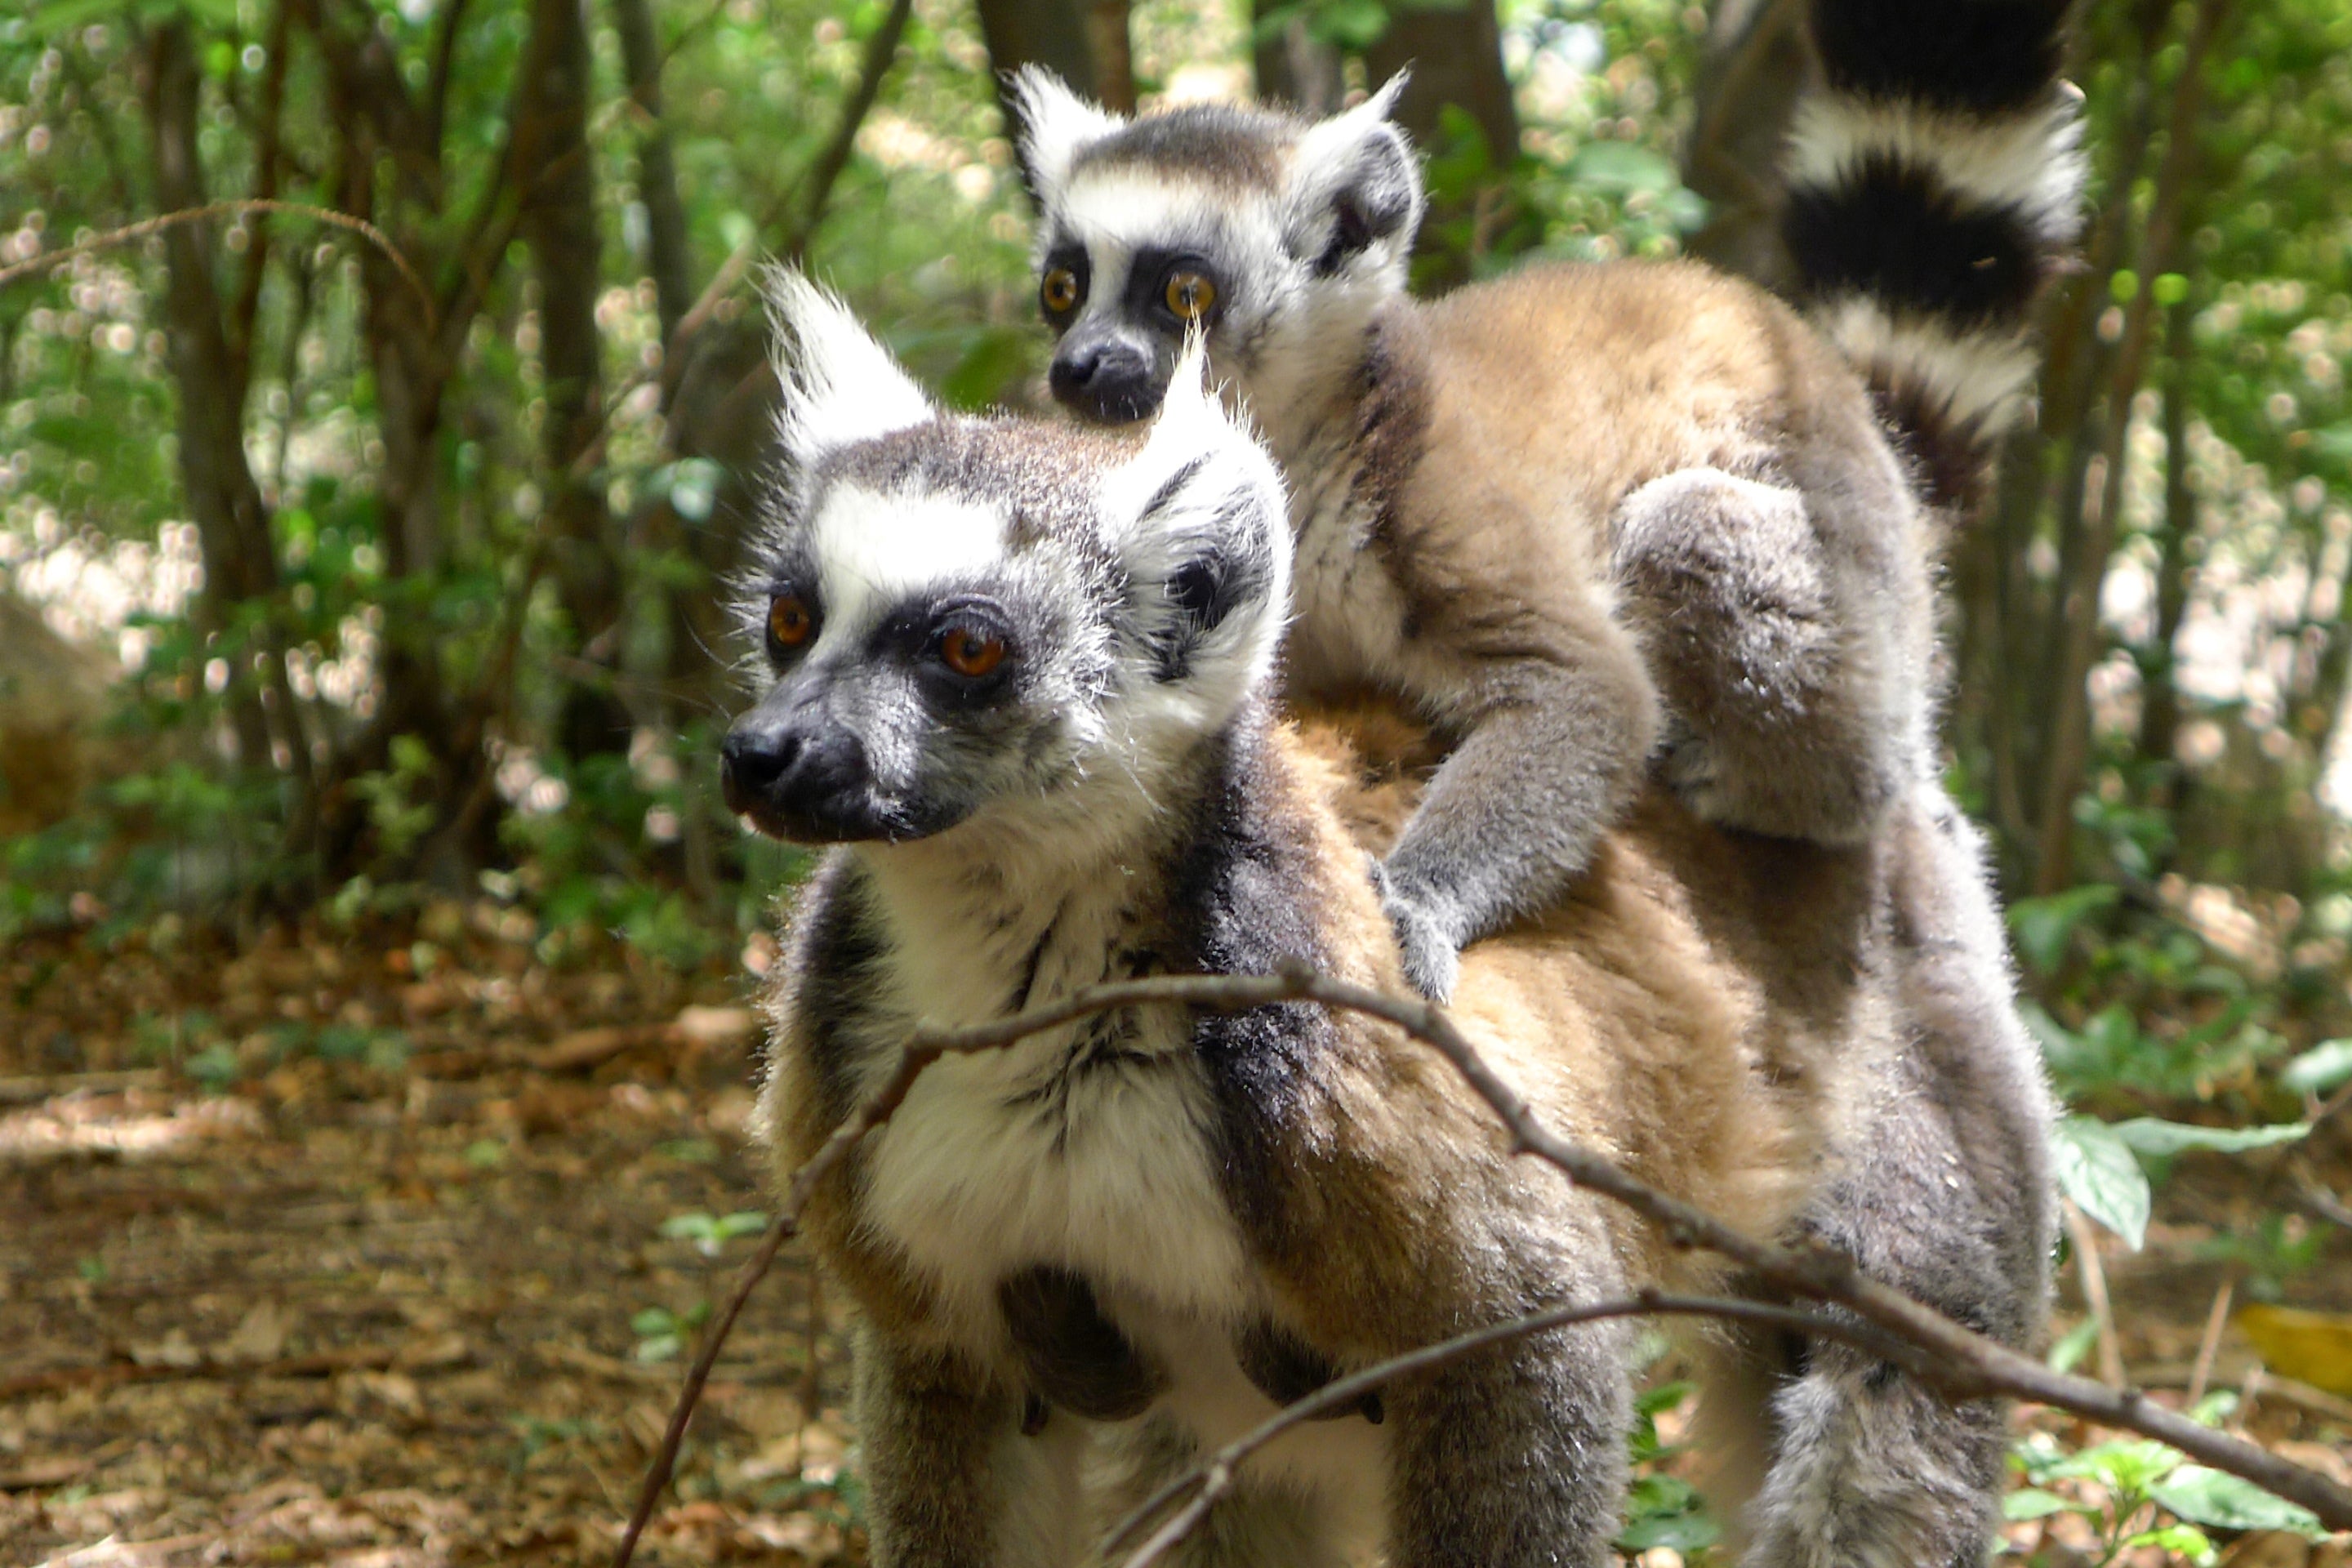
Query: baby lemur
[1020, 679]
[1579, 513]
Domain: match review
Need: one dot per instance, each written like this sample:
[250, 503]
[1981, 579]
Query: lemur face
[1268, 233]
[961, 618]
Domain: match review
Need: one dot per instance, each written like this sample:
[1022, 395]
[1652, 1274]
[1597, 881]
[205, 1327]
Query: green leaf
[2230, 1502]
[2321, 1069]
[2043, 927]
[1683, 1532]
[2074, 1345]
[2177, 1540]
[1619, 168]
[2032, 1502]
[2147, 1136]
[1652, 1401]
[1355, 25]
[214, 1067]
[2098, 1171]
[2128, 1465]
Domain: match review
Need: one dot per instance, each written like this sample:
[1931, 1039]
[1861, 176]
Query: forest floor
[377, 1251]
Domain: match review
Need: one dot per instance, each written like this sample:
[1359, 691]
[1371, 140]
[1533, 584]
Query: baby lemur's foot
[1780, 668]
[1425, 940]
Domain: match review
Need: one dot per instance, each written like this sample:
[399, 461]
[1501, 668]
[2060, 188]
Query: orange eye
[1189, 295]
[789, 621]
[1059, 291]
[970, 653]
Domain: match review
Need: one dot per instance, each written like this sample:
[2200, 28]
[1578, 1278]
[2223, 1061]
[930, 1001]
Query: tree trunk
[1292, 66]
[2078, 614]
[233, 525]
[559, 196]
[1063, 35]
[1758, 64]
[665, 228]
[2159, 713]
[1456, 57]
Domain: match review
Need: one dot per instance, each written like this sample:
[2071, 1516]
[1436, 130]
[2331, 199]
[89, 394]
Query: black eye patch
[1145, 299]
[1064, 259]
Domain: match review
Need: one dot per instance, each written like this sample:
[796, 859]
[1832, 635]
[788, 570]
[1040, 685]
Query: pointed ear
[1355, 185]
[1198, 520]
[1057, 124]
[840, 385]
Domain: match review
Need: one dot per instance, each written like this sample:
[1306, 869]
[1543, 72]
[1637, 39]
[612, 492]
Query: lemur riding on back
[1584, 512]
[1020, 680]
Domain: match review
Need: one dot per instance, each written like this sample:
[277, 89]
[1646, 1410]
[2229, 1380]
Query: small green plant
[1662, 1510]
[400, 798]
[709, 1233]
[663, 1334]
[2135, 1492]
[2107, 1168]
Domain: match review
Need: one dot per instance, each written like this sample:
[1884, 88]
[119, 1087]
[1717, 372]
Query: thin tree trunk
[1456, 57]
[232, 524]
[1292, 66]
[1055, 34]
[560, 225]
[2078, 617]
[1758, 64]
[2159, 715]
[665, 228]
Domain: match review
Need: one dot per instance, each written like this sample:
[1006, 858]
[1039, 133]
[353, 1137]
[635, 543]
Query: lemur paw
[1425, 945]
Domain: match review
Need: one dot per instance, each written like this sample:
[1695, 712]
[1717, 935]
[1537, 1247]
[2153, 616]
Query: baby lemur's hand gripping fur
[1022, 680]
[1583, 512]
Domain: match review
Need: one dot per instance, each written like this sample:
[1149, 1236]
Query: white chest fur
[1350, 616]
[1089, 1148]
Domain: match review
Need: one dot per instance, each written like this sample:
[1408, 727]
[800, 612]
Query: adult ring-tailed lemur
[1020, 680]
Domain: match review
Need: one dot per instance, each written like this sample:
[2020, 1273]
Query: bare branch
[130, 233]
[1214, 1477]
[880, 50]
[1957, 1362]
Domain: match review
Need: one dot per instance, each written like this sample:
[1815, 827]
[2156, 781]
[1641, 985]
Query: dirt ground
[381, 1314]
[378, 1249]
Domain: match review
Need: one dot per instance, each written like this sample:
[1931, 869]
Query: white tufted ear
[1057, 124]
[1354, 181]
[1191, 435]
[840, 385]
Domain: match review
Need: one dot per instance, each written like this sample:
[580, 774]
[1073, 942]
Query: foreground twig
[1215, 1475]
[928, 1045]
[146, 227]
[1957, 1362]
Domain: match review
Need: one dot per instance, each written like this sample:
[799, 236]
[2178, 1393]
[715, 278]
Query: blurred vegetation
[366, 507]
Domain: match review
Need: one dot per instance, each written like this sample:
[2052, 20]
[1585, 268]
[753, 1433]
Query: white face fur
[1277, 237]
[968, 621]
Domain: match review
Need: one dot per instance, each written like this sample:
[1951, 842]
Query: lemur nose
[1111, 380]
[1076, 371]
[751, 761]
